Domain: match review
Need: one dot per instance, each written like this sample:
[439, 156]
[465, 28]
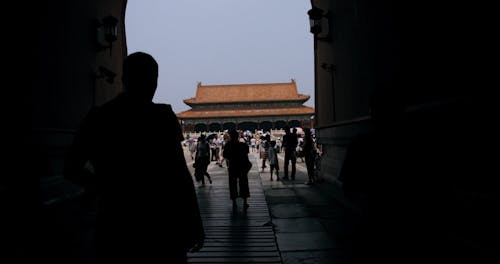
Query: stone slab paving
[234, 236]
[310, 224]
[287, 222]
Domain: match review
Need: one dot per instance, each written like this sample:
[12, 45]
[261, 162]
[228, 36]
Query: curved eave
[191, 102]
[197, 114]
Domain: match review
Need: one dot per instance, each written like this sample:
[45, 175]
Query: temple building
[246, 107]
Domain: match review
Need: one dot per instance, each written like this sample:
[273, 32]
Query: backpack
[202, 150]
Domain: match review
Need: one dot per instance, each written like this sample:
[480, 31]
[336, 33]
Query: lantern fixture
[316, 16]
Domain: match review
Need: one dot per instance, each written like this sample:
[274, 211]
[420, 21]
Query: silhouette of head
[287, 129]
[307, 132]
[140, 75]
[233, 135]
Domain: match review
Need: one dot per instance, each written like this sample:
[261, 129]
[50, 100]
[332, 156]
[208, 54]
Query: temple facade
[251, 107]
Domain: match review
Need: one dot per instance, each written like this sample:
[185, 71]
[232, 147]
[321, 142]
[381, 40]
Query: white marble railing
[274, 133]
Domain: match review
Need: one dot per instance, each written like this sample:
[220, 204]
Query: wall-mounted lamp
[105, 73]
[316, 16]
[107, 32]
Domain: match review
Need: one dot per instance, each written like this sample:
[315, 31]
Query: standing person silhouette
[202, 160]
[144, 190]
[308, 149]
[236, 153]
[273, 160]
[265, 150]
[290, 142]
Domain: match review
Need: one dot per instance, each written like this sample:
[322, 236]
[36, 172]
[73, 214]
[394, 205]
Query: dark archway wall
[66, 88]
[49, 60]
[386, 55]
[361, 49]
[418, 69]
[427, 67]
[69, 57]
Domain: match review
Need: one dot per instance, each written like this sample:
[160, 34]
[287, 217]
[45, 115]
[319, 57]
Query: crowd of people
[295, 146]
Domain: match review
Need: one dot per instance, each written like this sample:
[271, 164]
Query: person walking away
[213, 149]
[202, 160]
[134, 149]
[273, 160]
[236, 153]
[192, 147]
[290, 144]
[264, 151]
[308, 150]
[253, 141]
[220, 144]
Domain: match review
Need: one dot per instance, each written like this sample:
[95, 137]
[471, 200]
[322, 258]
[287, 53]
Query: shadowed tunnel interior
[403, 118]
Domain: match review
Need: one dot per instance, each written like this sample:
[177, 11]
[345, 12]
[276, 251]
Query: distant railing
[273, 132]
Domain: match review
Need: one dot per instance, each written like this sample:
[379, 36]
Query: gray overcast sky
[222, 42]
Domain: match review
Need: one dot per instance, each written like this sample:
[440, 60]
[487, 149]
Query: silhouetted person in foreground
[147, 206]
[236, 153]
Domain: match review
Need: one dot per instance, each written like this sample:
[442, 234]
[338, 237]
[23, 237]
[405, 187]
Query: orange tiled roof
[302, 110]
[247, 93]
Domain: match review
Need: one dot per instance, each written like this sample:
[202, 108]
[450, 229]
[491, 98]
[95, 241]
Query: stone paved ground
[287, 222]
[234, 236]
